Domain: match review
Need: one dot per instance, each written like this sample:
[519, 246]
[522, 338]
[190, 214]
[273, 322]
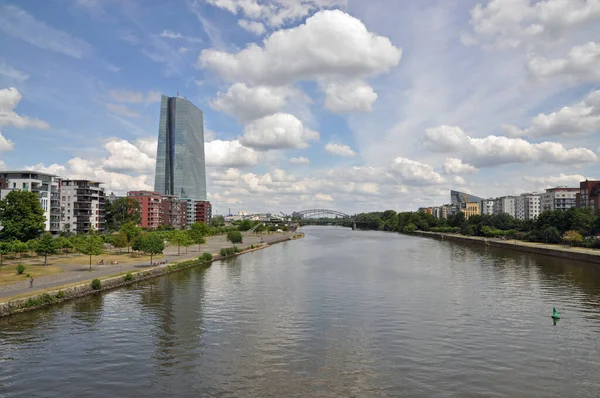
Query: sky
[348, 105]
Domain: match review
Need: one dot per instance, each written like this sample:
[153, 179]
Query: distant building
[172, 212]
[528, 206]
[588, 195]
[487, 207]
[506, 204]
[470, 209]
[456, 198]
[428, 210]
[559, 198]
[82, 206]
[150, 207]
[46, 186]
[203, 211]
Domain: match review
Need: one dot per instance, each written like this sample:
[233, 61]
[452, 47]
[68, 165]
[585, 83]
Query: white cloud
[169, 34]
[570, 180]
[229, 154]
[349, 96]
[18, 23]
[122, 110]
[581, 118]
[250, 103]
[12, 73]
[251, 26]
[209, 135]
[494, 150]
[299, 160]
[339, 150]
[323, 197]
[278, 131]
[459, 180]
[9, 99]
[582, 64]
[147, 146]
[329, 44]
[413, 172]
[134, 97]
[456, 166]
[6, 144]
[127, 157]
[513, 23]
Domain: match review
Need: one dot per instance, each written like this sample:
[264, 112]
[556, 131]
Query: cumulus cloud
[494, 150]
[134, 97]
[328, 44]
[339, 150]
[252, 26]
[278, 131]
[513, 23]
[456, 166]
[230, 154]
[570, 180]
[299, 160]
[122, 110]
[6, 144]
[581, 118]
[250, 103]
[349, 96]
[582, 64]
[127, 157]
[323, 197]
[415, 172]
[9, 99]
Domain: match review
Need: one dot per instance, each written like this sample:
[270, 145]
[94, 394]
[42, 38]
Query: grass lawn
[8, 273]
[124, 258]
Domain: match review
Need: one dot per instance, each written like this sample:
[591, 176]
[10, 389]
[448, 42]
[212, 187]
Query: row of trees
[575, 226]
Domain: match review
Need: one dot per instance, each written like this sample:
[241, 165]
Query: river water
[340, 313]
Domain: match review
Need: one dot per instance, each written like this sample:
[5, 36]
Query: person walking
[31, 283]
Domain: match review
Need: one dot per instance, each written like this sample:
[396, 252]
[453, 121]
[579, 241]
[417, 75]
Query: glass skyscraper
[180, 166]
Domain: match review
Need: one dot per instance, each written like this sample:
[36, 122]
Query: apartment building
[173, 212]
[528, 206]
[82, 206]
[588, 195]
[506, 204]
[559, 198]
[203, 211]
[487, 207]
[46, 186]
[150, 207]
[470, 209]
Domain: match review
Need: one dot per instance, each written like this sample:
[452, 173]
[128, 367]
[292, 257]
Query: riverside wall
[566, 253]
[60, 295]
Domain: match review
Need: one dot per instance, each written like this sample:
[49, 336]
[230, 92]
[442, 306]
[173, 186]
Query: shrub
[96, 284]
[128, 277]
[229, 251]
[20, 269]
[223, 252]
[60, 295]
[28, 275]
[206, 257]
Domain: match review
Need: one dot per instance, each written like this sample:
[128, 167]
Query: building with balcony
[588, 195]
[487, 207]
[82, 206]
[527, 206]
[150, 207]
[506, 204]
[203, 211]
[559, 198]
[173, 212]
[46, 186]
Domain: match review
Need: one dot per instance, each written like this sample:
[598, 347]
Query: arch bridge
[324, 217]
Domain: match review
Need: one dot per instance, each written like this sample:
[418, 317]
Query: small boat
[555, 315]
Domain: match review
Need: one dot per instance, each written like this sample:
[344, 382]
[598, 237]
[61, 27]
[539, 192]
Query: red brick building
[150, 207]
[203, 211]
[588, 195]
[173, 212]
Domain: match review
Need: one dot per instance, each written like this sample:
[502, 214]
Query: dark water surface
[340, 313]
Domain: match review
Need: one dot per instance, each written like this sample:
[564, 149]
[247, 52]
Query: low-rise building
[470, 209]
[82, 206]
[588, 195]
[150, 207]
[559, 198]
[46, 186]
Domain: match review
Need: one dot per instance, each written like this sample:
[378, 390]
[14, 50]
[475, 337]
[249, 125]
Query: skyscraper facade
[180, 165]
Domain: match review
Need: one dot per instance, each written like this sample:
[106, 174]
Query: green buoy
[555, 315]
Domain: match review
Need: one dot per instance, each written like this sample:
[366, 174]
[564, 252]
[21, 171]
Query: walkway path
[79, 273]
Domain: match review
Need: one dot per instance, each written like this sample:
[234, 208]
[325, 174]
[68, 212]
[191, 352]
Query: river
[340, 313]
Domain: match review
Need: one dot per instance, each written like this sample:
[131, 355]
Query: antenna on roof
[177, 93]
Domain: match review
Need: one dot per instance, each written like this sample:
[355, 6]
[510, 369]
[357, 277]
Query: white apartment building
[45, 185]
[506, 204]
[487, 207]
[528, 206]
[559, 198]
[82, 206]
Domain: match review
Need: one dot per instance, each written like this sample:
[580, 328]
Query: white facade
[528, 206]
[82, 206]
[506, 204]
[46, 186]
[561, 198]
[487, 207]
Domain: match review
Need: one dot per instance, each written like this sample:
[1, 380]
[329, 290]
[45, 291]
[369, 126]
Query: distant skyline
[342, 104]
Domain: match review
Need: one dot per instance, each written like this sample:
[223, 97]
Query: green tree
[131, 231]
[245, 225]
[64, 244]
[21, 215]
[217, 221]
[120, 240]
[19, 247]
[5, 248]
[45, 246]
[66, 230]
[151, 244]
[197, 232]
[90, 245]
[410, 228]
[572, 237]
[122, 211]
[179, 238]
[234, 237]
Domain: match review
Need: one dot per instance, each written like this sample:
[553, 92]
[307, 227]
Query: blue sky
[349, 105]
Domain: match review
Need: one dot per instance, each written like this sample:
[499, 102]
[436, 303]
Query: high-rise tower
[180, 166]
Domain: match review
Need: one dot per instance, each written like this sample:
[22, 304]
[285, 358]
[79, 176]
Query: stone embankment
[566, 252]
[68, 293]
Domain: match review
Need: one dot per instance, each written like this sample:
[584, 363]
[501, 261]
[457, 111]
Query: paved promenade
[79, 273]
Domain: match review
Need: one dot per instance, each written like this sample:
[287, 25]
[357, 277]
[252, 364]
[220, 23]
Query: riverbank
[566, 252]
[59, 294]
